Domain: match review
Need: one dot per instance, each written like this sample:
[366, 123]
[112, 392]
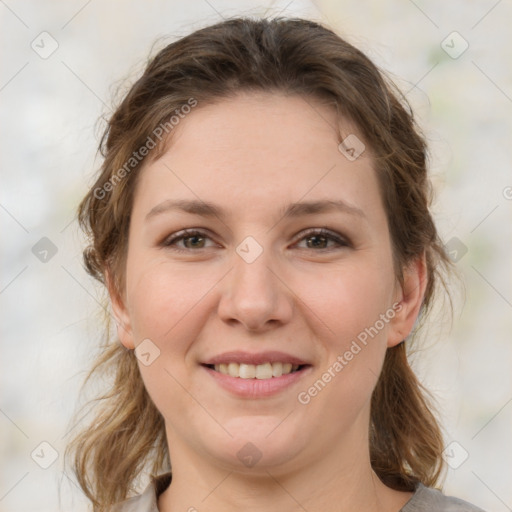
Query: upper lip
[256, 358]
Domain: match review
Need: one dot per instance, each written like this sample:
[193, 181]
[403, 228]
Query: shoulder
[147, 501]
[427, 499]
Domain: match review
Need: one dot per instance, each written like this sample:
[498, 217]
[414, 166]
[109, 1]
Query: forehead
[258, 151]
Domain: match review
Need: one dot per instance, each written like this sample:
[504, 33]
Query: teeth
[262, 371]
[246, 371]
[277, 369]
[259, 371]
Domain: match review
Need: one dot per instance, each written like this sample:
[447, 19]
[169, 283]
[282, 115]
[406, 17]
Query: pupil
[195, 237]
[316, 237]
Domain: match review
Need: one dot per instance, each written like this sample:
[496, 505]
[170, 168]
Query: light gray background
[50, 324]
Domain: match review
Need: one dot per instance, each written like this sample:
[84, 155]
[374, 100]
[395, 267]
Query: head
[250, 116]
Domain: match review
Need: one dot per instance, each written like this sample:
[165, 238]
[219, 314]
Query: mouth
[257, 381]
[256, 375]
[265, 371]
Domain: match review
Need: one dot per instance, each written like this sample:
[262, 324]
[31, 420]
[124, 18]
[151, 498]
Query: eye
[196, 239]
[321, 237]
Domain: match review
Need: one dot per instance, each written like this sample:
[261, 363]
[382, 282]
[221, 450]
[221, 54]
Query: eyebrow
[298, 209]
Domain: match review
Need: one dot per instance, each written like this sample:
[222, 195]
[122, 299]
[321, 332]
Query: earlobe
[122, 318]
[409, 299]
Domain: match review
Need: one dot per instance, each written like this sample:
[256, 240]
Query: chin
[259, 443]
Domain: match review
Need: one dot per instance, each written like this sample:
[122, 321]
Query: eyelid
[340, 239]
[184, 233]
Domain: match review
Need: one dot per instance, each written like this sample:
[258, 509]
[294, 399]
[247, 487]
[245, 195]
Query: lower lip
[257, 388]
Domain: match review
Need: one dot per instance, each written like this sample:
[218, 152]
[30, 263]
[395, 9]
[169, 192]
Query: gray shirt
[424, 499]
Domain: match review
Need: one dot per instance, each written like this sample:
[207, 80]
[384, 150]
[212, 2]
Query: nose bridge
[252, 267]
[253, 294]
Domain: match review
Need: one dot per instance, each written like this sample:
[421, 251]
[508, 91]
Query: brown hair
[291, 56]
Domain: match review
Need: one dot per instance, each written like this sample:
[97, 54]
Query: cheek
[349, 299]
[162, 301]
[351, 304]
[166, 306]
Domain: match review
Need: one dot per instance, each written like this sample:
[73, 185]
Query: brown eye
[192, 239]
[317, 240]
[320, 239]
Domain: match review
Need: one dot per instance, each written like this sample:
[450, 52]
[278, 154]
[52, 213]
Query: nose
[255, 294]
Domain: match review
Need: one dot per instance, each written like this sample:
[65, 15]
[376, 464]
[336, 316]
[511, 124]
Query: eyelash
[170, 242]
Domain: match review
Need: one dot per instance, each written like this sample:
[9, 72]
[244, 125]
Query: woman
[261, 222]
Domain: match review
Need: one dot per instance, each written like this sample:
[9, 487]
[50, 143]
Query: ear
[409, 298]
[121, 315]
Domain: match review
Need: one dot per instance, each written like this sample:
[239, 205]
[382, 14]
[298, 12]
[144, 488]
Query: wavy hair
[297, 57]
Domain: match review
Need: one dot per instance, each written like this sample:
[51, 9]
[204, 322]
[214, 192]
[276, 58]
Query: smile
[255, 371]
[257, 381]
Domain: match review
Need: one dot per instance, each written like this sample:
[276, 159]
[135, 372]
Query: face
[313, 287]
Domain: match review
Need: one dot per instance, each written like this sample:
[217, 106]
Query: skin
[253, 155]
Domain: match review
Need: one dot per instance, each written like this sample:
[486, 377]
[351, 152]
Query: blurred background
[63, 61]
